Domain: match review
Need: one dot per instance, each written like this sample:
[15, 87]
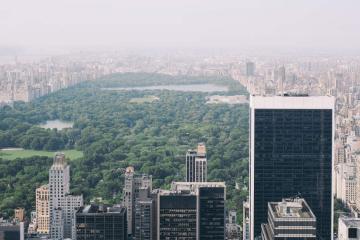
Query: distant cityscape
[304, 154]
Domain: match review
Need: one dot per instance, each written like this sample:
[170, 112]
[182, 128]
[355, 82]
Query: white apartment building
[62, 205]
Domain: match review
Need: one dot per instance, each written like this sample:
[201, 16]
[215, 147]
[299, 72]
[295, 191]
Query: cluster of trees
[114, 133]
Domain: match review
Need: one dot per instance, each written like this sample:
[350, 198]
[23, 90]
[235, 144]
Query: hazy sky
[308, 24]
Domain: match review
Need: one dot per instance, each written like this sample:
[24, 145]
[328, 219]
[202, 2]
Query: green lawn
[13, 154]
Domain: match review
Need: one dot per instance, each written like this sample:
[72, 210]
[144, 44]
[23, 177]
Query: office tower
[131, 192]
[246, 220]
[62, 205]
[42, 209]
[190, 165]
[196, 164]
[101, 223]
[209, 210]
[291, 140]
[144, 215]
[345, 182]
[349, 228]
[250, 69]
[289, 219]
[19, 214]
[176, 215]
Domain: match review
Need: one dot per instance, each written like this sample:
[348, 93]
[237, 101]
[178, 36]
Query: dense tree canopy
[114, 133]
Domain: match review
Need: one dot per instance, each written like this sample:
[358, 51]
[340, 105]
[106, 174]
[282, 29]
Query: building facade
[132, 186]
[101, 223]
[196, 164]
[42, 209]
[177, 216]
[62, 205]
[291, 144]
[210, 214]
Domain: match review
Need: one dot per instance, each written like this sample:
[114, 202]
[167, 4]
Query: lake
[179, 88]
[58, 124]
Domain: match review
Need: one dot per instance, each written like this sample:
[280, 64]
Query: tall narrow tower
[291, 149]
[59, 183]
[62, 205]
[196, 164]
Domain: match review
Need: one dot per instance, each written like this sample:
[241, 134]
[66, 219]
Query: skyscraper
[62, 205]
[196, 164]
[209, 210]
[42, 209]
[132, 186]
[176, 215]
[101, 223]
[190, 165]
[291, 142]
[144, 212]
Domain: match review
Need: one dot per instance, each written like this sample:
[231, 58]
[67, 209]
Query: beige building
[42, 209]
[19, 214]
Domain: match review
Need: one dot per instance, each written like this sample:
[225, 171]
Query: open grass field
[13, 154]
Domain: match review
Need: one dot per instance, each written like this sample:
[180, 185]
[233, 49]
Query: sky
[227, 24]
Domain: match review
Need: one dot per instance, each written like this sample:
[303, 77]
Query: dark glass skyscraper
[177, 216]
[211, 213]
[101, 223]
[291, 142]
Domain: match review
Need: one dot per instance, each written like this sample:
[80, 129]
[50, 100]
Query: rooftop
[100, 209]
[292, 102]
[351, 222]
[291, 208]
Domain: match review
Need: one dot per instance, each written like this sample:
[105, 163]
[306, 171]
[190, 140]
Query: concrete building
[42, 209]
[291, 153]
[144, 211]
[62, 205]
[19, 214]
[246, 220]
[349, 228]
[101, 222]
[131, 189]
[346, 182]
[289, 219]
[196, 164]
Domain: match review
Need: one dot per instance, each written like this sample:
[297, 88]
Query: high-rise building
[176, 215]
[144, 211]
[291, 144]
[349, 228]
[101, 223]
[190, 165]
[196, 164]
[345, 182]
[42, 209]
[250, 69]
[62, 205]
[289, 219]
[132, 186]
[204, 199]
